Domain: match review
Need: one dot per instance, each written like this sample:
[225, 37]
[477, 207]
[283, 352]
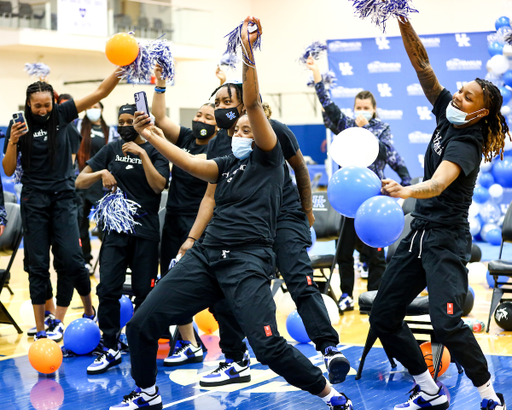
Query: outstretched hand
[250, 37]
[311, 64]
[141, 121]
[221, 75]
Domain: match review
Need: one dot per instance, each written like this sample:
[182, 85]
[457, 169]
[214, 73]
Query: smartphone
[141, 102]
[19, 117]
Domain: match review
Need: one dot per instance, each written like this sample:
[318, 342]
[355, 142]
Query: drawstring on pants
[421, 242]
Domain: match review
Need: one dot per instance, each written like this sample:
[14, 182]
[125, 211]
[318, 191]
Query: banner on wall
[382, 66]
[85, 17]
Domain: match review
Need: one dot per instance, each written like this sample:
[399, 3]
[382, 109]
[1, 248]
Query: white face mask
[458, 117]
[241, 147]
[94, 114]
[368, 115]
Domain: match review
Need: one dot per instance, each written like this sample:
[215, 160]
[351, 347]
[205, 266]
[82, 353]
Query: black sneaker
[337, 365]
[340, 402]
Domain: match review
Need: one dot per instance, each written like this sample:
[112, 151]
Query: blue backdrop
[381, 66]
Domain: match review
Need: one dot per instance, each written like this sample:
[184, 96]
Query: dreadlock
[495, 127]
[84, 153]
[230, 86]
[51, 126]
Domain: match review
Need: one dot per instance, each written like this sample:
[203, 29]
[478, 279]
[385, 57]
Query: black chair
[25, 11]
[123, 22]
[501, 267]
[143, 25]
[9, 244]
[5, 9]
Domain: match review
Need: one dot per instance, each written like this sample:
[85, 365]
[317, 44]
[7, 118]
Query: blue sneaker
[48, 318]
[340, 402]
[492, 405]
[138, 399]
[105, 361]
[229, 372]
[337, 365]
[93, 317]
[185, 353]
[422, 400]
[346, 303]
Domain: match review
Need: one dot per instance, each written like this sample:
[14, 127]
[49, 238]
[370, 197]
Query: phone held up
[141, 102]
[19, 117]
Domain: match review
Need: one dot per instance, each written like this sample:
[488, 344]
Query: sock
[150, 391]
[426, 382]
[487, 392]
[328, 398]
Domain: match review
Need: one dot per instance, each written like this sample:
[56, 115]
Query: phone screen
[141, 102]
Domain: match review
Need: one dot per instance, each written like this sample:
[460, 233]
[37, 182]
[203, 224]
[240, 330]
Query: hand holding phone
[19, 118]
[141, 102]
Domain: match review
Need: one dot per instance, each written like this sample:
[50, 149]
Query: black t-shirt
[462, 146]
[186, 191]
[247, 200]
[219, 146]
[42, 175]
[74, 136]
[96, 191]
[131, 178]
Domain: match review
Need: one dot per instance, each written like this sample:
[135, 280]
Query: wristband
[189, 237]
[159, 90]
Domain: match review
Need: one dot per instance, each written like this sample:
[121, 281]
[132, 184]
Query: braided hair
[495, 128]
[25, 143]
[230, 86]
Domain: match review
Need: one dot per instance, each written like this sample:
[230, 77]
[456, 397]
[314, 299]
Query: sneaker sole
[114, 363]
[189, 360]
[338, 370]
[244, 379]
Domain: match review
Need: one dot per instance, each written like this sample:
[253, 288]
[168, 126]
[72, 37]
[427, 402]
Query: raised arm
[419, 59]
[103, 90]
[264, 136]
[303, 184]
[170, 128]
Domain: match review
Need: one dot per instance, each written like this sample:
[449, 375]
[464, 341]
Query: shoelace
[415, 393]
[182, 349]
[130, 396]
[222, 366]
[330, 351]
[100, 357]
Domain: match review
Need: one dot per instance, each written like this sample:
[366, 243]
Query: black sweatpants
[84, 229]
[436, 257]
[175, 232]
[290, 246]
[201, 278]
[50, 218]
[374, 256]
[118, 252]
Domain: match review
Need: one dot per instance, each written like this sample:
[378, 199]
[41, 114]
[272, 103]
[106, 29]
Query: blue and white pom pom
[38, 70]
[508, 38]
[229, 59]
[313, 50]
[328, 78]
[235, 42]
[140, 70]
[3, 216]
[380, 11]
[18, 172]
[114, 212]
[160, 52]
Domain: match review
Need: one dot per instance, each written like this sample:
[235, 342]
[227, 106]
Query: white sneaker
[55, 330]
[492, 405]
[345, 303]
[422, 400]
[186, 353]
[228, 372]
[89, 268]
[48, 317]
[105, 361]
[364, 271]
[138, 399]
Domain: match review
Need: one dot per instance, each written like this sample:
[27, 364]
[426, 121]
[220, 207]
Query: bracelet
[189, 237]
[13, 143]
[159, 90]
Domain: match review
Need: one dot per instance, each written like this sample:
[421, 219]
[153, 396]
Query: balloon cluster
[498, 67]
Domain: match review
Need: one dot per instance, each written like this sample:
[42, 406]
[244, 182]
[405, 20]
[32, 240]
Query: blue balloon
[313, 238]
[490, 280]
[82, 336]
[506, 94]
[507, 78]
[350, 186]
[494, 236]
[480, 195]
[296, 328]
[379, 221]
[495, 48]
[502, 21]
[486, 179]
[126, 310]
[502, 171]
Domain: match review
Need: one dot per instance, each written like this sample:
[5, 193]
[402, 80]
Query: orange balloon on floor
[426, 348]
[206, 322]
[122, 49]
[45, 356]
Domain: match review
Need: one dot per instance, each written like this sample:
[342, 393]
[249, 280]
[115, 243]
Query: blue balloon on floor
[494, 237]
[480, 195]
[486, 179]
[296, 328]
[126, 310]
[313, 238]
[82, 336]
[350, 186]
[490, 280]
[379, 221]
[502, 171]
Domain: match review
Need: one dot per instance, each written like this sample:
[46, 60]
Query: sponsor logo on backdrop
[418, 137]
[431, 42]
[456, 64]
[384, 90]
[424, 113]
[460, 84]
[348, 112]
[346, 69]
[415, 89]
[380, 67]
[462, 40]
[345, 92]
[421, 160]
[390, 114]
[382, 43]
[342, 46]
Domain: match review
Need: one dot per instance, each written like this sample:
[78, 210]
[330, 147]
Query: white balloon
[486, 228]
[505, 110]
[474, 209]
[285, 304]
[27, 313]
[477, 269]
[500, 222]
[507, 50]
[496, 191]
[498, 64]
[474, 226]
[508, 144]
[332, 309]
[354, 146]
[490, 212]
[485, 166]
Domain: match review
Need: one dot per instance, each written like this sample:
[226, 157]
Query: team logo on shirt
[229, 176]
[129, 160]
[41, 133]
[437, 144]
[129, 167]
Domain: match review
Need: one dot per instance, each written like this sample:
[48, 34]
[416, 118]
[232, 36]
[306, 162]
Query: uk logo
[424, 113]
[231, 115]
[319, 202]
[462, 40]
[384, 90]
[346, 69]
[461, 84]
[382, 43]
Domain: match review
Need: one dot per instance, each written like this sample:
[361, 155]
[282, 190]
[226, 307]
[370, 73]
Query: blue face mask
[241, 147]
[458, 117]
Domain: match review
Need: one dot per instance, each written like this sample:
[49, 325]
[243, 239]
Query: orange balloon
[45, 356]
[206, 322]
[426, 348]
[122, 49]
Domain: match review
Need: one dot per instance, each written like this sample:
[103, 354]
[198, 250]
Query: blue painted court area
[379, 388]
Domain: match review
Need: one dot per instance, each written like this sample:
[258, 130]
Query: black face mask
[226, 117]
[127, 133]
[41, 119]
[202, 130]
